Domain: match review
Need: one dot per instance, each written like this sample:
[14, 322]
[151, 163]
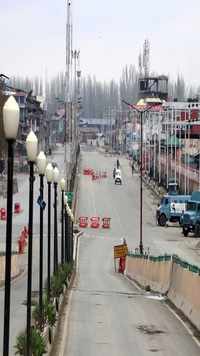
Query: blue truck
[171, 208]
[190, 220]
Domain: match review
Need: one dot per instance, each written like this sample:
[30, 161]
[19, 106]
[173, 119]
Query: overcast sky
[109, 34]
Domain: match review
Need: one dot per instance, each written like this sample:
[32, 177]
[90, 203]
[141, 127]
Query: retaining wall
[14, 267]
[169, 275]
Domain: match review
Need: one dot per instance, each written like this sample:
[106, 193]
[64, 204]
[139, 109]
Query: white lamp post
[31, 148]
[49, 172]
[41, 164]
[49, 176]
[10, 124]
[62, 187]
[66, 230]
[55, 180]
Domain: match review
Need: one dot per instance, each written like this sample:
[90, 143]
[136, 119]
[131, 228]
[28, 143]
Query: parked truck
[190, 220]
[171, 208]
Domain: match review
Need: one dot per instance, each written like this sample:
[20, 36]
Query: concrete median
[146, 272]
[172, 277]
[184, 293]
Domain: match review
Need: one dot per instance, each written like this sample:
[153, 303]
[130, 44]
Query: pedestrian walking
[118, 164]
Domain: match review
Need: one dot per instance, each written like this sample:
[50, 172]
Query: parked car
[191, 217]
[171, 208]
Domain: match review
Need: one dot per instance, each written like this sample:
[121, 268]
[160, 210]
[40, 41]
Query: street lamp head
[49, 172]
[56, 175]
[31, 146]
[11, 118]
[41, 163]
[62, 184]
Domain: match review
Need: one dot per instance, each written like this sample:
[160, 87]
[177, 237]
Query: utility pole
[75, 56]
[68, 114]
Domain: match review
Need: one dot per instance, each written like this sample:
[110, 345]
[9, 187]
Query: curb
[58, 346]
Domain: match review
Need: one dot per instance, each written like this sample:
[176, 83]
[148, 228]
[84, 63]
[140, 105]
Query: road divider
[171, 276]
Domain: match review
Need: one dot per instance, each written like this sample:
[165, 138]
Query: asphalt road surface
[108, 314]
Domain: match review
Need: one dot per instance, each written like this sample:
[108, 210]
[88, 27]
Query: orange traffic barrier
[95, 222]
[20, 246]
[3, 214]
[17, 208]
[106, 223]
[122, 264]
[83, 221]
[88, 171]
[26, 231]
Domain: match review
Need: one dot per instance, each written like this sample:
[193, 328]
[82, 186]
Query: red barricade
[3, 214]
[106, 223]
[20, 246]
[86, 172]
[122, 264]
[83, 221]
[17, 208]
[26, 231]
[95, 222]
[21, 243]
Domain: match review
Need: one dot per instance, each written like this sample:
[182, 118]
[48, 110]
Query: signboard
[120, 251]
[69, 196]
[177, 207]
[41, 202]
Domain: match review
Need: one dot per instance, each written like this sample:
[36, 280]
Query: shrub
[48, 314]
[59, 279]
[37, 344]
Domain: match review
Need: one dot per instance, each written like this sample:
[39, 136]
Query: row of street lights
[11, 123]
[52, 175]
